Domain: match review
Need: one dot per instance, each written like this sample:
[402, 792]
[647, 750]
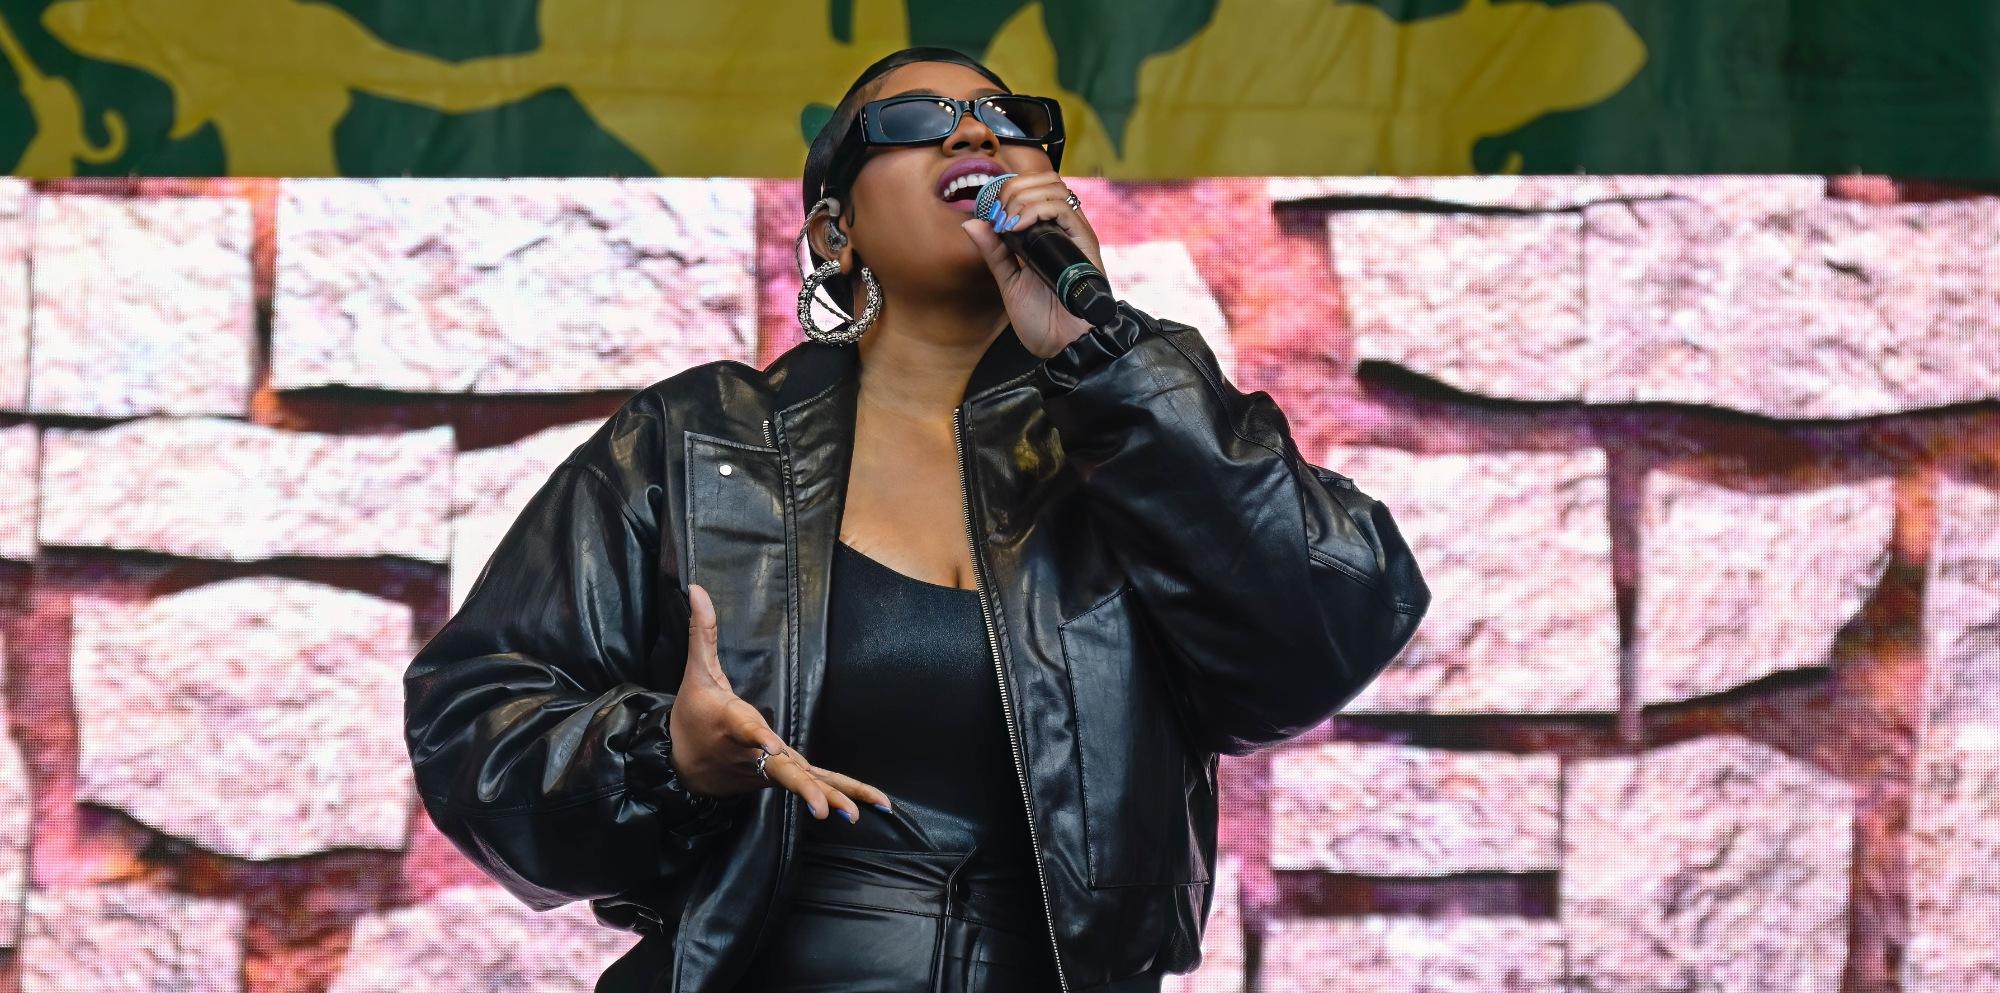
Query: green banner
[1151, 88]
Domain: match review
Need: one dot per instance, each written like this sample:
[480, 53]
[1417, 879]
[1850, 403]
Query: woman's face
[900, 227]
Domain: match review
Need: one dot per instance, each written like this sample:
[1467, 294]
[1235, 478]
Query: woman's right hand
[717, 735]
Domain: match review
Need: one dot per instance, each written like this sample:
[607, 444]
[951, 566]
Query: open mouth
[966, 187]
[961, 191]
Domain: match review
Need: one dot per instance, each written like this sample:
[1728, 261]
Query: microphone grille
[989, 194]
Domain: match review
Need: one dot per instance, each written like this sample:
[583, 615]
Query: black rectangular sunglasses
[916, 118]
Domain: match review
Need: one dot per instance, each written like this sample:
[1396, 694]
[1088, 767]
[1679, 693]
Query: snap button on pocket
[725, 468]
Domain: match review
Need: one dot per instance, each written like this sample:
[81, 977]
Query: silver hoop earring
[855, 328]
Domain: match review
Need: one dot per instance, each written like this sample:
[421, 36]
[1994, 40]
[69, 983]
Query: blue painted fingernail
[1013, 222]
[1000, 225]
[844, 812]
[995, 213]
[883, 807]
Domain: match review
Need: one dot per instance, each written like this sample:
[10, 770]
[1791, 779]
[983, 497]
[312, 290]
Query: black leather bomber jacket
[1164, 579]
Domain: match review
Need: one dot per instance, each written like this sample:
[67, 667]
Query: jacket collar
[811, 366]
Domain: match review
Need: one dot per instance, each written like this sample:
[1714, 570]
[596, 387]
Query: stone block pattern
[1955, 807]
[1823, 310]
[1159, 277]
[1399, 810]
[1486, 303]
[142, 306]
[510, 286]
[430, 946]
[1756, 294]
[130, 938]
[282, 698]
[17, 211]
[1381, 952]
[1576, 777]
[208, 488]
[16, 826]
[1516, 548]
[1714, 864]
[20, 464]
[490, 488]
[1737, 586]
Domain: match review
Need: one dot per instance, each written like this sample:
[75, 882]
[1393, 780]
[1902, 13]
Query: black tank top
[911, 704]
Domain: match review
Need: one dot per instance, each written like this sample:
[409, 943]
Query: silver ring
[1074, 203]
[761, 759]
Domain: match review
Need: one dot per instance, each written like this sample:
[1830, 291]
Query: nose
[971, 133]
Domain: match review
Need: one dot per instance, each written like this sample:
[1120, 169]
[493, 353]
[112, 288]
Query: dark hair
[833, 144]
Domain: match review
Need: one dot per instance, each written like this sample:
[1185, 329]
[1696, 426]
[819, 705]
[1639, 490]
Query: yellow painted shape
[59, 140]
[704, 89]
[715, 89]
[1310, 87]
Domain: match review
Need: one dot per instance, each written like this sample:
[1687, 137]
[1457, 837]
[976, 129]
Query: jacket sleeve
[1278, 587]
[537, 747]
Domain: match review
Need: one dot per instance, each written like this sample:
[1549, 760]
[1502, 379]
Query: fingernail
[1011, 221]
[883, 807]
[844, 812]
[994, 212]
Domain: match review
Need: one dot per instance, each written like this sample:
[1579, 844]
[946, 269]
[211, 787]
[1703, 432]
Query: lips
[965, 167]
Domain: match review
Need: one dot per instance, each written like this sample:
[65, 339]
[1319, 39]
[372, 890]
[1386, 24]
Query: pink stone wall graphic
[509, 286]
[1382, 952]
[1704, 473]
[219, 489]
[1755, 294]
[282, 696]
[20, 458]
[1516, 547]
[130, 938]
[429, 946]
[141, 306]
[1399, 810]
[1716, 864]
[1955, 809]
[16, 825]
[1738, 586]
[16, 238]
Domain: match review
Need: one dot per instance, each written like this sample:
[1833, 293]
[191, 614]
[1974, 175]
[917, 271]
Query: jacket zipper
[1006, 710]
[791, 674]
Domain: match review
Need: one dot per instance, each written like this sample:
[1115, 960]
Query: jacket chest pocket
[1132, 758]
[735, 548]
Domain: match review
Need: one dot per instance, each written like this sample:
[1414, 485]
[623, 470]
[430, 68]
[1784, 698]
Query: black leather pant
[867, 920]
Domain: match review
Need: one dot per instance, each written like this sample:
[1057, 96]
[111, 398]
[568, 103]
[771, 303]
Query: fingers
[1040, 193]
[702, 658]
[744, 725]
[999, 258]
[793, 775]
[851, 787]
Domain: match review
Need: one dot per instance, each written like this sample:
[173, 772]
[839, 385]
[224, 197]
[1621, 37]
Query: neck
[920, 354]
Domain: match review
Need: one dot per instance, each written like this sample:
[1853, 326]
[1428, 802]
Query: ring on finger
[761, 759]
[1074, 203]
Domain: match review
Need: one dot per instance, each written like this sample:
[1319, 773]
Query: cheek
[1025, 159]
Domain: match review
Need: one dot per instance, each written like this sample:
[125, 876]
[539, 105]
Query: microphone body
[1048, 250]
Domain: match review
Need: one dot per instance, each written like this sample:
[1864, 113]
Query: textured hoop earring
[854, 328]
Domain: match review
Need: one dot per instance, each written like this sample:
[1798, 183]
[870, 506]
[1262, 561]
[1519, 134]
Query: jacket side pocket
[1132, 758]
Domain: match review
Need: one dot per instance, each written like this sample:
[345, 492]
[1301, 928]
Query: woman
[1010, 580]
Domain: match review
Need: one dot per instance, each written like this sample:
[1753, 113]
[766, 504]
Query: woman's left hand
[1040, 320]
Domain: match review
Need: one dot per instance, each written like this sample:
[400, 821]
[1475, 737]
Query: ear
[822, 235]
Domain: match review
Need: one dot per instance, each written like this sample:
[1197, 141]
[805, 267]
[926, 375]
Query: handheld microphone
[1049, 251]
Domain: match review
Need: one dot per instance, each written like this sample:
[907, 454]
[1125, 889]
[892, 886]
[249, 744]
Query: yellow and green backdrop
[1154, 88]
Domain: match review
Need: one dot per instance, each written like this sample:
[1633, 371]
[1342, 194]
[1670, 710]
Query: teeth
[973, 179]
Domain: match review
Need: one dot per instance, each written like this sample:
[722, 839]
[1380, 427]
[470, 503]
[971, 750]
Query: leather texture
[865, 920]
[1165, 578]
